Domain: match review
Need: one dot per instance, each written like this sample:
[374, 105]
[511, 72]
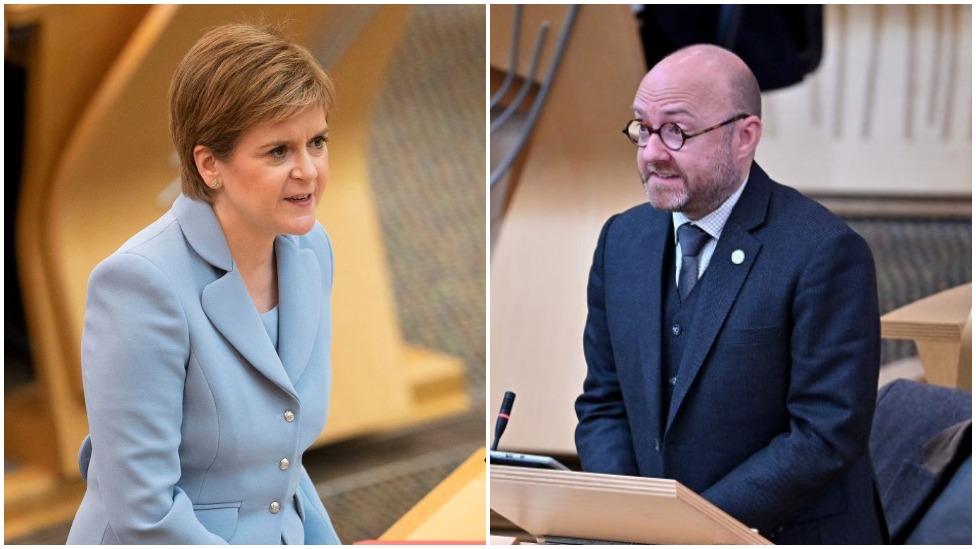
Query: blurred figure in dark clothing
[780, 43]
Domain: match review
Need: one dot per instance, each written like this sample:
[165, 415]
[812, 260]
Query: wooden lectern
[562, 504]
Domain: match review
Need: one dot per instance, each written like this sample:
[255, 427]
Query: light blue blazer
[192, 412]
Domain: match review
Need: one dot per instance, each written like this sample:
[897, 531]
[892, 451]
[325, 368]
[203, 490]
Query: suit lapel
[229, 308]
[225, 301]
[721, 283]
[300, 295]
[652, 253]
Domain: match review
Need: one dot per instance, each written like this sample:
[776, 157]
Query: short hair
[744, 91]
[234, 77]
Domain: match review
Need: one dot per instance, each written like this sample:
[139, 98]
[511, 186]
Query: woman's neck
[253, 253]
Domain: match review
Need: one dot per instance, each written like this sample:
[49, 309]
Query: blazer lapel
[225, 301]
[228, 306]
[300, 301]
[721, 282]
[651, 254]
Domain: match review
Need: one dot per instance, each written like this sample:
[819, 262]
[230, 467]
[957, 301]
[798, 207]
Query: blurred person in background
[206, 346]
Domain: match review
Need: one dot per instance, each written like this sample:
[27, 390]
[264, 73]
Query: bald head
[697, 89]
[723, 73]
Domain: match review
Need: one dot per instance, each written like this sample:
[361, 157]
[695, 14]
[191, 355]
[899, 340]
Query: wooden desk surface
[938, 317]
[455, 510]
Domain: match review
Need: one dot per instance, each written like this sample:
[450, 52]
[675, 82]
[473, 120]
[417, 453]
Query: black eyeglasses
[670, 134]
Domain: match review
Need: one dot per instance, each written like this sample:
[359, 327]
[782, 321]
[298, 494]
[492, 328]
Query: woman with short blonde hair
[207, 337]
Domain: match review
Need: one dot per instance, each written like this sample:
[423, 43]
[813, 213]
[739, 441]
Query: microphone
[515, 459]
[507, 401]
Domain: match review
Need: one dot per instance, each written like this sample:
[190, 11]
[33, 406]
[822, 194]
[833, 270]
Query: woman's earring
[215, 185]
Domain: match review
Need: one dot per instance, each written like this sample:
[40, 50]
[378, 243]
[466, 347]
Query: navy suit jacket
[920, 436]
[770, 416]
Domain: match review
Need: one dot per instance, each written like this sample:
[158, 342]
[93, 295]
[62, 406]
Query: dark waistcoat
[676, 320]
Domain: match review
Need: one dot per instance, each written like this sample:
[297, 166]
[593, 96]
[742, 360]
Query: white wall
[889, 110]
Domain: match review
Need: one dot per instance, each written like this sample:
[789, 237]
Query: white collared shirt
[713, 223]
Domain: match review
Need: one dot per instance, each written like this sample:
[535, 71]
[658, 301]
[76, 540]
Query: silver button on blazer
[191, 410]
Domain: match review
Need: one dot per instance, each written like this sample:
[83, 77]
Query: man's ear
[206, 164]
[750, 132]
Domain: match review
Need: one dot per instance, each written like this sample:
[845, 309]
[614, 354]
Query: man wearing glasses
[732, 336]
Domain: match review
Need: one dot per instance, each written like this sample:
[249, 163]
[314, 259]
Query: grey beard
[722, 184]
[708, 194]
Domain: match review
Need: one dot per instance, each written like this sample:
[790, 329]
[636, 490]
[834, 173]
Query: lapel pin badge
[738, 257]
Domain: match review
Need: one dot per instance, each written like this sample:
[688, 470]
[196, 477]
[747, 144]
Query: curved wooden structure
[59, 90]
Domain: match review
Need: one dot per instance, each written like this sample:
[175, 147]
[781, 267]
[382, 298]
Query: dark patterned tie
[692, 240]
